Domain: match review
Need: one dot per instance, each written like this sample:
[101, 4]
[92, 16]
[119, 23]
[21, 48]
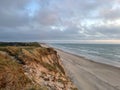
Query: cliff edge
[29, 66]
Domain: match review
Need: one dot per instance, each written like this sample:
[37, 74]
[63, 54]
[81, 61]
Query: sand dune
[89, 75]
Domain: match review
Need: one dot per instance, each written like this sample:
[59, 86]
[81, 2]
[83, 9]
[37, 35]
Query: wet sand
[89, 75]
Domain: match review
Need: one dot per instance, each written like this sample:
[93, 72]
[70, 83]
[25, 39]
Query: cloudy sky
[60, 20]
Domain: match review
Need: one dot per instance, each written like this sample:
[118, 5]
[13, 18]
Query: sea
[102, 53]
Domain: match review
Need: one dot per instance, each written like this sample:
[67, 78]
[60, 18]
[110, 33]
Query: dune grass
[12, 75]
[14, 56]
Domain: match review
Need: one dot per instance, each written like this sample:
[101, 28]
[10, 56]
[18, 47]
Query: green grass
[19, 44]
[49, 67]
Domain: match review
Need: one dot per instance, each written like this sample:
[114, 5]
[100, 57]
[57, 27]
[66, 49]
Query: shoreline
[80, 56]
[83, 57]
[87, 74]
[90, 75]
[92, 59]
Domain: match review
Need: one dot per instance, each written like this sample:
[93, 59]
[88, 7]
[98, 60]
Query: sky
[60, 20]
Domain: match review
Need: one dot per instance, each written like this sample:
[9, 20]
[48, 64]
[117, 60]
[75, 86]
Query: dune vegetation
[29, 66]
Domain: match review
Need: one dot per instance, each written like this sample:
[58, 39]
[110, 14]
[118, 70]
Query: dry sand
[89, 75]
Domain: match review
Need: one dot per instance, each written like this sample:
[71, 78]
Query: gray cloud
[47, 17]
[22, 20]
[12, 13]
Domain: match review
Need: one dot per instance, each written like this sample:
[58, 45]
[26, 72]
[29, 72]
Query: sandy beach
[89, 75]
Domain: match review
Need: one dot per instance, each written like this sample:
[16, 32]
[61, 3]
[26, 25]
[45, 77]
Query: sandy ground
[89, 75]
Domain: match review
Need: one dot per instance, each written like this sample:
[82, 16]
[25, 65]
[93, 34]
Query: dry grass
[34, 54]
[12, 74]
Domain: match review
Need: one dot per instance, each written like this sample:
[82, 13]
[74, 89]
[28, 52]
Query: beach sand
[89, 75]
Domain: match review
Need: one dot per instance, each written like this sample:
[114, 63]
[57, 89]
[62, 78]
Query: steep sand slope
[31, 67]
[89, 75]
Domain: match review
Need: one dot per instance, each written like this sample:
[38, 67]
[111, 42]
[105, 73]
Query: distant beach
[102, 53]
[90, 75]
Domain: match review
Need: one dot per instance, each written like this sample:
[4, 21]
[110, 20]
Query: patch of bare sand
[89, 75]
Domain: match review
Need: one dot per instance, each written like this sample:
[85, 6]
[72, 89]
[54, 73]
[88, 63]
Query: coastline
[88, 57]
[88, 74]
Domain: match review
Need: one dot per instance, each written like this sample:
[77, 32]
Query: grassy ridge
[12, 75]
[28, 66]
[19, 44]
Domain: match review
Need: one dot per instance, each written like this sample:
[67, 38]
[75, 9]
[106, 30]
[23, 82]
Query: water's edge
[89, 57]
